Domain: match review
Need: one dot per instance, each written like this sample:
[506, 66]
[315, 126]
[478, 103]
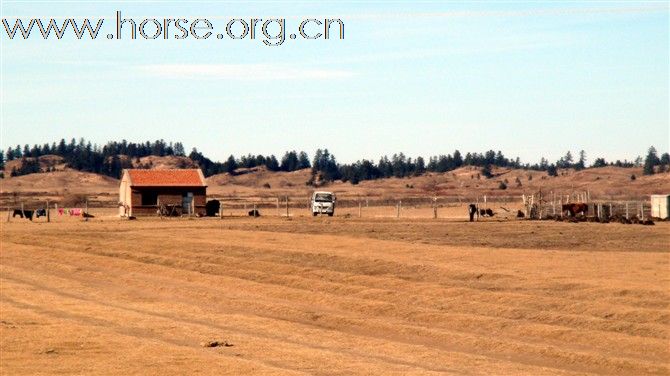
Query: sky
[532, 79]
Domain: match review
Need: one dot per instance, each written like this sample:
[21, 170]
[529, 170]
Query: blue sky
[531, 79]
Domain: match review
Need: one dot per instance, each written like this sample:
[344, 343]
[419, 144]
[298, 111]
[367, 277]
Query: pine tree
[552, 170]
[231, 165]
[599, 162]
[303, 160]
[581, 164]
[486, 171]
[650, 161]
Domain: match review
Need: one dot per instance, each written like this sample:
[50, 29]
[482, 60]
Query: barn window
[149, 198]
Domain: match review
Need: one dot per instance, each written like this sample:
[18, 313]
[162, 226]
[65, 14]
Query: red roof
[166, 178]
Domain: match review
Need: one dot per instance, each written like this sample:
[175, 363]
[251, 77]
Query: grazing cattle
[40, 213]
[520, 214]
[576, 208]
[486, 212]
[254, 213]
[21, 213]
[472, 210]
[212, 208]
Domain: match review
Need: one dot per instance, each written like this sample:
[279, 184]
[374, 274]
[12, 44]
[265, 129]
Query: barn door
[187, 202]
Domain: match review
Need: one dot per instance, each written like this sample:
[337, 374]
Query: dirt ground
[333, 296]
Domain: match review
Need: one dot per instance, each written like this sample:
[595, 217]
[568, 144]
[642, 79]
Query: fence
[548, 206]
[533, 206]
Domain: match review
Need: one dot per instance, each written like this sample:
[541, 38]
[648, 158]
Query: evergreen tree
[271, 163]
[486, 171]
[231, 165]
[581, 163]
[303, 160]
[552, 170]
[458, 159]
[421, 166]
[650, 161]
[289, 161]
[599, 162]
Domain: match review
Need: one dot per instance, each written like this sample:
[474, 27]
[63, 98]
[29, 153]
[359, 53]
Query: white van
[323, 203]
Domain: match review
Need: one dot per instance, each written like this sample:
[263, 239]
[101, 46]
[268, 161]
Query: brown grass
[333, 296]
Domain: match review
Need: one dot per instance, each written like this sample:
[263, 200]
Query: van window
[323, 197]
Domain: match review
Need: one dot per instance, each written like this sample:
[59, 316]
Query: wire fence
[537, 205]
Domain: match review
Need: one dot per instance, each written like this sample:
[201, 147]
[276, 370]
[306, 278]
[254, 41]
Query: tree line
[110, 159]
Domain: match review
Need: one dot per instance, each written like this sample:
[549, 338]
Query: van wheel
[313, 214]
[330, 214]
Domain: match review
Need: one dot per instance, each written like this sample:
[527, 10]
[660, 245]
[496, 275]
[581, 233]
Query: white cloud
[261, 72]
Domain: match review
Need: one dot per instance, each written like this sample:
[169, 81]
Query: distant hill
[58, 182]
[44, 163]
[467, 182]
[159, 163]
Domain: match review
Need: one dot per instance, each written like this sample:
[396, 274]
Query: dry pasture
[333, 296]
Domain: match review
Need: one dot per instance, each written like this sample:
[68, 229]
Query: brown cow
[576, 208]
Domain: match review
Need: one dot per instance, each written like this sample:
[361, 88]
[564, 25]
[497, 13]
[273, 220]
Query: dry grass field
[333, 296]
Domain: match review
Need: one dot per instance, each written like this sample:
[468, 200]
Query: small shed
[659, 206]
[177, 191]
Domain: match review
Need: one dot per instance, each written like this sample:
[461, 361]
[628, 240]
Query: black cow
[472, 210]
[575, 208]
[21, 213]
[212, 208]
[486, 212]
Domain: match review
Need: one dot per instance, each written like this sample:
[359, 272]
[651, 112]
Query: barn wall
[125, 196]
[169, 196]
[659, 206]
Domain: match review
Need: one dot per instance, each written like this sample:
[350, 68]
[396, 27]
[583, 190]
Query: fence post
[553, 204]
[398, 210]
[627, 210]
[48, 213]
[434, 207]
[255, 210]
[278, 206]
[360, 207]
[287, 214]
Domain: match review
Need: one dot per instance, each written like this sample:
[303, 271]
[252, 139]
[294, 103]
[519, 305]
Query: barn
[659, 206]
[176, 192]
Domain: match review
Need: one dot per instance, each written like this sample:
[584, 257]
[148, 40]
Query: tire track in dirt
[279, 341]
[367, 293]
[526, 349]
